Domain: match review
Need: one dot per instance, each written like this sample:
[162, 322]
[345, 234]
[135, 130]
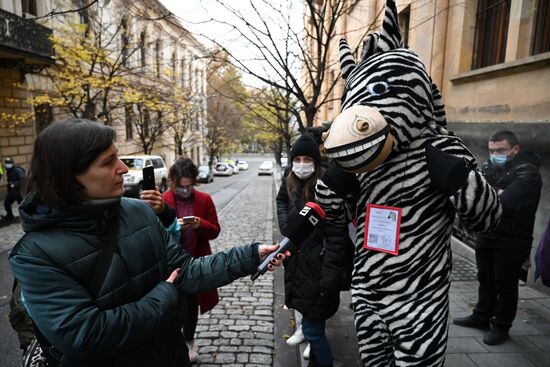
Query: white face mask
[303, 170]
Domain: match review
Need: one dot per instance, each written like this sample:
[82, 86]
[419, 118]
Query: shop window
[492, 18]
[541, 35]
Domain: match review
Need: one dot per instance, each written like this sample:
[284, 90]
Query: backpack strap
[106, 256]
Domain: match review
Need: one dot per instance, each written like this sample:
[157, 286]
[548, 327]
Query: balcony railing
[25, 38]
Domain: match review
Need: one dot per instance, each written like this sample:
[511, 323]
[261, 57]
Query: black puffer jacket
[520, 182]
[320, 267]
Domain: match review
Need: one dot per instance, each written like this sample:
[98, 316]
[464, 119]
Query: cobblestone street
[239, 331]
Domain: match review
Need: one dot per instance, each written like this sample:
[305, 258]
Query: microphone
[299, 227]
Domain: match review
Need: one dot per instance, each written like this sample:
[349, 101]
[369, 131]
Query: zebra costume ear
[388, 38]
[347, 61]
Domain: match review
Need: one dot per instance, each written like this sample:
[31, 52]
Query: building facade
[161, 55]
[491, 61]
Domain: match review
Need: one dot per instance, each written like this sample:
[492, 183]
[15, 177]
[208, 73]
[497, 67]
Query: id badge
[382, 225]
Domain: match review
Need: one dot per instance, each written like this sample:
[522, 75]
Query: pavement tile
[516, 344]
[539, 359]
[541, 341]
[465, 345]
[459, 331]
[458, 360]
[501, 360]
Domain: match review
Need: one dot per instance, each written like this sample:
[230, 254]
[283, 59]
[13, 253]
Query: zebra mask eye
[378, 87]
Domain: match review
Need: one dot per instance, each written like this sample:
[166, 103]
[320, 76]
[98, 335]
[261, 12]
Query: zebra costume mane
[373, 121]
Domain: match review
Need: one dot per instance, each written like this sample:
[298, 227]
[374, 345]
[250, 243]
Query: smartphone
[188, 219]
[148, 182]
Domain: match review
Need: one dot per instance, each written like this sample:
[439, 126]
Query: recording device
[148, 182]
[299, 227]
[188, 219]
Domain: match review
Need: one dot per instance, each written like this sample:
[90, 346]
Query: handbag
[40, 352]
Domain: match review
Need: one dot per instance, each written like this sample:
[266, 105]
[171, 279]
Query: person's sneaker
[473, 321]
[496, 336]
[193, 354]
[296, 338]
[306, 352]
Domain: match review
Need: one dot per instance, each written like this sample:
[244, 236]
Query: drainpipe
[439, 45]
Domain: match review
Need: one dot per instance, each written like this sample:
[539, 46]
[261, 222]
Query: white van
[133, 179]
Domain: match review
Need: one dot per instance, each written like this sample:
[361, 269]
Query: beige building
[159, 42]
[491, 61]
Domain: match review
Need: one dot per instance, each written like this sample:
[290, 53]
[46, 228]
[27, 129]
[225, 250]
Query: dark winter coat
[16, 178]
[134, 319]
[319, 268]
[521, 183]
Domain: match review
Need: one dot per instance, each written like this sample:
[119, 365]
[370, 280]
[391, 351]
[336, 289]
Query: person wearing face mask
[321, 265]
[500, 254]
[183, 200]
[15, 175]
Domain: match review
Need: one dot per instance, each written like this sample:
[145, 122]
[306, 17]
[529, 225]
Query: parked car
[133, 179]
[242, 165]
[266, 168]
[223, 169]
[234, 168]
[205, 174]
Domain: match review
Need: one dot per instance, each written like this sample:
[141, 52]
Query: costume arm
[452, 171]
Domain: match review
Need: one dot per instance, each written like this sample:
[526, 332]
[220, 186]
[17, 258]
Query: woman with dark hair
[198, 221]
[321, 266]
[73, 214]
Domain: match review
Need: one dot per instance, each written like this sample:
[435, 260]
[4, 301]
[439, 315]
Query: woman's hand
[154, 199]
[195, 224]
[265, 250]
[174, 275]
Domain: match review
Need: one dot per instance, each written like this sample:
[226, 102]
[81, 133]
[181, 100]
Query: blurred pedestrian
[15, 177]
[183, 200]
[319, 270]
[542, 257]
[500, 254]
[99, 275]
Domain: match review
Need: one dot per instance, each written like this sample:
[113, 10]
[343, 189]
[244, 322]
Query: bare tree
[295, 60]
[225, 109]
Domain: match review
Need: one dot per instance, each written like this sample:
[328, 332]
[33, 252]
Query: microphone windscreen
[301, 224]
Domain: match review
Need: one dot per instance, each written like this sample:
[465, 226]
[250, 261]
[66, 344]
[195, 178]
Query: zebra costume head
[389, 99]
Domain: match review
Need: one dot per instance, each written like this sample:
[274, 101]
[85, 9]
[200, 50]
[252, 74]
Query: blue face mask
[499, 159]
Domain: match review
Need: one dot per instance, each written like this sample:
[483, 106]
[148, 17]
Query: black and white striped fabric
[401, 302]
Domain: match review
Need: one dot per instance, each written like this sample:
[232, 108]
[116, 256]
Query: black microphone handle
[262, 268]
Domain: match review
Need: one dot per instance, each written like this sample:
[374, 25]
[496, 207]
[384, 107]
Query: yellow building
[156, 42]
[490, 59]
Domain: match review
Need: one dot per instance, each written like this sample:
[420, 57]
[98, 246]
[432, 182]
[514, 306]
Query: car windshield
[133, 163]
[267, 164]
[203, 169]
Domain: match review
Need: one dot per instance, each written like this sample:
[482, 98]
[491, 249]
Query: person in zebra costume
[391, 137]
